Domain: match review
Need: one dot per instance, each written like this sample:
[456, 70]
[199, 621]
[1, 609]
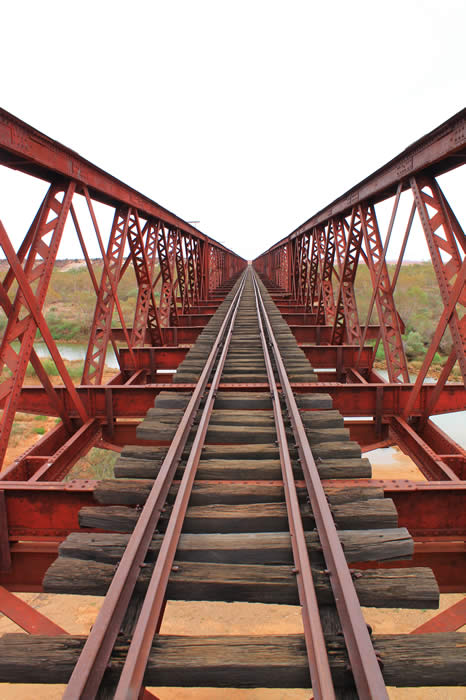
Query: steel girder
[326, 303]
[313, 269]
[303, 269]
[192, 268]
[445, 239]
[144, 255]
[347, 229]
[25, 312]
[181, 273]
[106, 300]
[138, 222]
[346, 314]
[397, 365]
[166, 243]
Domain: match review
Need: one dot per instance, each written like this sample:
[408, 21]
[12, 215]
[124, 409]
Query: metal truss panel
[166, 243]
[22, 321]
[346, 314]
[445, 239]
[144, 255]
[397, 365]
[101, 326]
[326, 303]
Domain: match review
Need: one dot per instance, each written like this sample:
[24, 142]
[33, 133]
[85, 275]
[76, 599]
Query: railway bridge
[245, 400]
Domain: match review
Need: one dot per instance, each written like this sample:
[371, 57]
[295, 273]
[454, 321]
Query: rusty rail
[321, 677]
[88, 672]
[364, 664]
[132, 675]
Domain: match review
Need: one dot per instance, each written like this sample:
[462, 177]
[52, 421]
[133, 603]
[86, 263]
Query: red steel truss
[346, 234]
[182, 276]
[159, 245]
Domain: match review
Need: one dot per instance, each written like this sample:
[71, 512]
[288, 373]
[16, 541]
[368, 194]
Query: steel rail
[321, 677]
[87, 675]
[132, 675]
[364, 664]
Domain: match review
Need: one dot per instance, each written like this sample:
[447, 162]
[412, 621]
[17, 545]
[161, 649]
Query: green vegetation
[97, 464]
[419, 305]
[70, 302]
[71, 299]
[49, 366]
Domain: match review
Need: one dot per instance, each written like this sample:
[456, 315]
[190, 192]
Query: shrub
[75, 369]
[414, 345]
[62, 329]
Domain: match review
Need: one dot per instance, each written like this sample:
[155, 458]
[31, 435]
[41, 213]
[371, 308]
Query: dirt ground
[28, 429]
[76, 615]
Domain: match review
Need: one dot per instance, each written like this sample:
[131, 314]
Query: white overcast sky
[246, 116]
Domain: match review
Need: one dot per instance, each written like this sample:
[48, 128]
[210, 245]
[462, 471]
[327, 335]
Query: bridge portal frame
[312, 273]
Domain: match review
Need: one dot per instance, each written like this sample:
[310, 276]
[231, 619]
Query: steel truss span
[313, 273]
[240, 539]
[205, 346]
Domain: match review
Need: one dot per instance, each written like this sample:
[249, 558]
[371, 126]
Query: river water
[454, 424]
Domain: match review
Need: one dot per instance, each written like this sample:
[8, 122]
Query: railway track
[236, 498]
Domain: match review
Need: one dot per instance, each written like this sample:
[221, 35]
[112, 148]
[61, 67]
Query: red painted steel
[25, 316]
[397, 364]
[326, 303]
[351, 218]
[25, 616]
[144, 253]
[166, 242]
[446, 557]
[43, 514]
[321, 677]
[449, 620]
[87, 674]
[364, 664]
[5, 556]
[433, 467]
[192, 273]
[131, 678]
[445, 239]
[107, 299]
[26, 149]
[346, 315]
[152, 232]
[133, 401]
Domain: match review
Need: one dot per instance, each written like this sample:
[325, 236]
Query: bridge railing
[177, 267]
[316, 264]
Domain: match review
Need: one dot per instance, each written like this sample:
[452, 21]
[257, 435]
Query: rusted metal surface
[25, 616]
[364, 664]
[152, 232]
[441, 150]
[321, 677]
[352, 221]
[131, 678]
[133, 401]
[89, 670]
[311, 274]
[448, 620]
